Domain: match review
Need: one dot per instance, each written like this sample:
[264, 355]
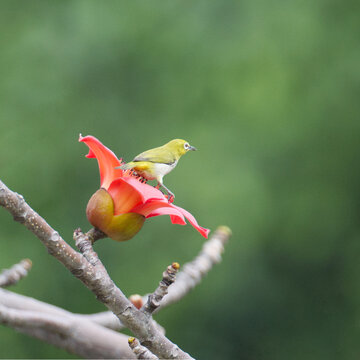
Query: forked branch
[57, 326]
[93, 276]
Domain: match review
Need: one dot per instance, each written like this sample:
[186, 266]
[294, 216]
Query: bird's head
[180, 147]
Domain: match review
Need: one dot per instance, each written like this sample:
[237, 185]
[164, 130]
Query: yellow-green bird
[155, 163]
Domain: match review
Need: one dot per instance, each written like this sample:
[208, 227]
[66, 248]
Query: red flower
[121, 205]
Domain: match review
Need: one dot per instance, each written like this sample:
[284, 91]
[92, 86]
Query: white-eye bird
[155, 163]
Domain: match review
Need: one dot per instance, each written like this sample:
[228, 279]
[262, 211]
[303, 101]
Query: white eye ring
[186, 146]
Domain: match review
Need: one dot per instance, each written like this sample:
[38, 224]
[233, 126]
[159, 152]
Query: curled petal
[174, 214]
[156, 208]
[203, 231]
[107, 160]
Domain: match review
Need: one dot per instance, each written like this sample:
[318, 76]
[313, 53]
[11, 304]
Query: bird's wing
[157, 155]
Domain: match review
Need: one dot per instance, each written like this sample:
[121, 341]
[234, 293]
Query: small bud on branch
[136, 300]
[141, 352]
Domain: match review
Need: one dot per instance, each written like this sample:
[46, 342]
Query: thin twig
[154, 299]
[141, 352]
[193, 272]
[95, 234]
[15, 273]
[84, 243]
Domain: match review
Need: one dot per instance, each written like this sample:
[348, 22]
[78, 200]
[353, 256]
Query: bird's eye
[186, 146]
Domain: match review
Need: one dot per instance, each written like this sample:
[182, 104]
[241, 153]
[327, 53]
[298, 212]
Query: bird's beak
[192, 148]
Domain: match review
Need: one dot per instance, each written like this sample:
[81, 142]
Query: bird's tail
[127, 166]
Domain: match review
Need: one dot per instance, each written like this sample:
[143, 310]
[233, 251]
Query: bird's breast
[151, 171]
[163, 169]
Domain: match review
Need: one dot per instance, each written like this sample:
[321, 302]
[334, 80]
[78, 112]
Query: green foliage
[269, 94]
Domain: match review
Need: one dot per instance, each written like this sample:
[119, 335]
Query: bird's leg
[170, 194]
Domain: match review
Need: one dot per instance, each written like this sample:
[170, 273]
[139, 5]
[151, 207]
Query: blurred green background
[268, 91]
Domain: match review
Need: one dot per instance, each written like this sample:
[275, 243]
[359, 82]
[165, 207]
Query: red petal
[175, 216]
[151, 206]
[156, 208]
[175, 220]
[125, 196]
[147, 191]
[107, 160]
[204, 232]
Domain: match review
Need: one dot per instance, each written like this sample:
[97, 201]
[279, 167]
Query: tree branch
[92, 276]
[188, 277]
[15, 273]
[78, 336]
[193, 272]
[16, 301]
[84, 243]
[154, 299]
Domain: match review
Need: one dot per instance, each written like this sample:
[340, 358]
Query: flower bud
[136, 300]
[100, 209]
[125, 226]
[100, 213]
